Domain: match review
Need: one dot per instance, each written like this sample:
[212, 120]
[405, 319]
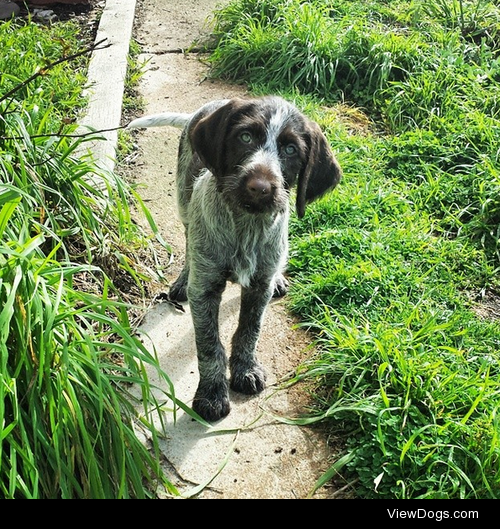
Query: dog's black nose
[259, 187]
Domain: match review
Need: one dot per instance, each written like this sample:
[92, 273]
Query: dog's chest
[248, 254]
[243, 245]
[255, 249]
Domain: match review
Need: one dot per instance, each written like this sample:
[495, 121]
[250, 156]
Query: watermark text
[427, 514]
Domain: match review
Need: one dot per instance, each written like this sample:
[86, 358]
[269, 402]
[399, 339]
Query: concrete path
[249, 454]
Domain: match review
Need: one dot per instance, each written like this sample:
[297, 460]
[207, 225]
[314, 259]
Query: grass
[69, 250]
[132, 101]
[25, 52]
[388, 271]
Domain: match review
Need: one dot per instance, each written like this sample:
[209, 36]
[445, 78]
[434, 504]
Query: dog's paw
[280, 286]
[250, 381]
[178, 291]
[212, 402]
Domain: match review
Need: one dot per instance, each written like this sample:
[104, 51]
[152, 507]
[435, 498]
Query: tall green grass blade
[67, 423]
[6, 212]
[333, 471]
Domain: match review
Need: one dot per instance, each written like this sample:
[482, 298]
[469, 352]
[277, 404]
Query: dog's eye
[246, 137]
[290, 149]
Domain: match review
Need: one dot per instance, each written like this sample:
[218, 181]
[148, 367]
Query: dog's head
[258, 149]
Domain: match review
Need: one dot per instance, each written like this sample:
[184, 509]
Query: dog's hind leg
[178, 291]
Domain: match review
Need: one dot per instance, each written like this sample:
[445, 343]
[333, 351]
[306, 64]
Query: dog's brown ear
[321, 172]
[208, 136]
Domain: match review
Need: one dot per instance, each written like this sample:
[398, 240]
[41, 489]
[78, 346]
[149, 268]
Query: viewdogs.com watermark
[424, 514]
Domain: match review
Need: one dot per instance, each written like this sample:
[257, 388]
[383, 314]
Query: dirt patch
[489, 306]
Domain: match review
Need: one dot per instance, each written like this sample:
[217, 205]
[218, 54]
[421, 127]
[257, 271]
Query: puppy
[238, 160]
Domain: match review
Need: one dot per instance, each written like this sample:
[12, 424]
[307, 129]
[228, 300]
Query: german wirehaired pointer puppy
[238, 160]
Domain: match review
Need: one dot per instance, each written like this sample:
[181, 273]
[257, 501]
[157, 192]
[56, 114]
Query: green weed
[26, 50]
[69, 357]
[387, 271]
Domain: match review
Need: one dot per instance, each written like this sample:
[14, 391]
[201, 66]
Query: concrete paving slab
[106, 79]
[261, 457]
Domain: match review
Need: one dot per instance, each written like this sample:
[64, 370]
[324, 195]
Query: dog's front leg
[212, 399]
[247, 375]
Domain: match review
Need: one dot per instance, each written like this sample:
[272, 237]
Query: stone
[8, 9]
